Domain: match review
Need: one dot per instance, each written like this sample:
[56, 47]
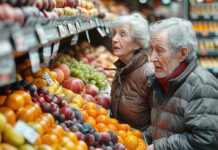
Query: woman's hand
[150, 147]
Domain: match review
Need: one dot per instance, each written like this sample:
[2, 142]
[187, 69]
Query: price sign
[78, 27]
[101, 32]
[74, 39]
[7, 70]
[47, 77]
[55, 49]
[70, 27]
[87, 35]
[47, 54]
[206, 16]
[61, 30]
[41, 35]
[97, 22]
[26, 131]
[19, 41]
[5, 47]
[35, 60]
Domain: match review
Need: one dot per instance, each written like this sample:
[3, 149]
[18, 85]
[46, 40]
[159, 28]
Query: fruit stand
[54, 86]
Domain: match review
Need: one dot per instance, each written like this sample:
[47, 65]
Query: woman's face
[122, 42]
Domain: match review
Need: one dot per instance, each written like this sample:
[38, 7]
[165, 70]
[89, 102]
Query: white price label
[26, 131]
[107, 30]
[92, 23]
[35, 60]
[87, 35]
[61, 30]
[74, 40]
[78, 27]
[206, 16]
[19, 41]
[101, 32]
[5, 47]
[47, 77]
[41, 34]
[97, 22]
[55, 49]
[70, 27]
[47, 54]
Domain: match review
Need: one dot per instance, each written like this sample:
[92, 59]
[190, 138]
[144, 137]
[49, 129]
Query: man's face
[122, 42]
[164, 60]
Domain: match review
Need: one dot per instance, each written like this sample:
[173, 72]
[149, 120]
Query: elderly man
[184, 113]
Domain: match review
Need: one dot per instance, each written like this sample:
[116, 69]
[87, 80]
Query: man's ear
[182, 53]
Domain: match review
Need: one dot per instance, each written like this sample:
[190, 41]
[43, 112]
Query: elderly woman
[184, 113]
[130, 93]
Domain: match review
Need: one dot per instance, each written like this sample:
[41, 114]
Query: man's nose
[153, 56]
[115, 38]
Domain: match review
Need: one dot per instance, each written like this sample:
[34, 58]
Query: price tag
[47, 77]
[101, 32]
[194, 16]
[107, 30]
[41, 35]
[35, 60]
[55, 49]
[70, 27]
[61, 30]
[26, 131]
[92, 23]
[19, 41]
[87, 35]
[47, 54]
[7, 70]
[5, 47]
[204, 33]
[74, 39]
[97, 22]
[78, 27]
[206, 16]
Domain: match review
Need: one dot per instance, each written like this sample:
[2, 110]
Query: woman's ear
[182, 53]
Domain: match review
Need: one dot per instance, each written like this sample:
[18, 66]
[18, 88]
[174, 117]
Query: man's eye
[122, 34]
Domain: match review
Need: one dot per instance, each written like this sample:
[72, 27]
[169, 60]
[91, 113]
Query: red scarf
[177, 72]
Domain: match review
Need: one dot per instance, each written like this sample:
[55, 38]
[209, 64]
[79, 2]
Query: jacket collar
[138, 59]
[174, 83]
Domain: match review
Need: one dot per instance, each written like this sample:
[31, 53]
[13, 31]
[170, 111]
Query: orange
[92, 112]
[72, 136]
[56, 132]
[92, 121]
[121, 127]
[114, 121]
[137, 133]
[83, 145]
[131, 142]
[29, 78]
[121, 133]
[85, 115]
[9, 114]
[2, 99]
[89, 105]
[53, 75]
[101, 119]
[112, 127]
[26, 96]
[101, 111]
[49, 139]
[38, 141]
[59, 128]
[70, 145]
[100, 126]
[141, 145]
[128, 128]
[106, 129]
[44, 125]
[15, 101]
[49, 117]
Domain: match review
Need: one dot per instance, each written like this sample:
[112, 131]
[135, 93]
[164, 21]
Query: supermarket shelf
[26, 39]
[207, 34]
[208, 17]
[213, 70]
[207, 53]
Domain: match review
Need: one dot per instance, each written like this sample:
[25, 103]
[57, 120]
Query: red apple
[64, 67]
[67, 112]
[52, 5]
[88, 98]
[74, 84]
[103, 100]
[91, 89]
[45, 4]
[70, 3]
[65, 3]
[54, 107]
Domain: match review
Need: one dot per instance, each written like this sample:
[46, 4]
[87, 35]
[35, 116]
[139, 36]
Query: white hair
[139, 28]
[180, 34]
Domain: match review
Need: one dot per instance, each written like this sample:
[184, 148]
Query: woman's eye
[122, 34]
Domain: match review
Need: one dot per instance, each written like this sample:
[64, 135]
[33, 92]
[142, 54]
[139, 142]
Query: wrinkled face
[122, 42]
[164, 60]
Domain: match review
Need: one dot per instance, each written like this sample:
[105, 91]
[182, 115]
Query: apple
[74, 84]
[46, 107]
[103, 100]
[90, 139]
[48, 98]
[91, 89]
[54, 107]
[88, 98]
[80, 136]
[52, 5]
[43, 91]
[38, 4]
[70, 3]
[64, 4]
[45, 4]
[76, 3]
[119, 146]
[67, 112]
[105, 137]
[40, 99]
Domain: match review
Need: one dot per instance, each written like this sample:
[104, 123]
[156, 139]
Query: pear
[3, 122]
[7, 146]
[13, 137]
[26, 147]
[43, 147]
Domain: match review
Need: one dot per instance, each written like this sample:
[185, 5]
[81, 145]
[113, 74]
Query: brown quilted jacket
[130, 92]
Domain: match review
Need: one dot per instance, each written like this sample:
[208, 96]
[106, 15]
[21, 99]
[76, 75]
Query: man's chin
[160, 75]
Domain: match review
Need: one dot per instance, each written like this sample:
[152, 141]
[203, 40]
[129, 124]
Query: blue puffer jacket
[186, 117]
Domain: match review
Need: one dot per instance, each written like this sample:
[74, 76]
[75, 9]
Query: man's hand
[150, 147]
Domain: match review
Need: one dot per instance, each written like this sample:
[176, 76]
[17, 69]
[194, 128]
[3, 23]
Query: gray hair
[139, 26]
[180, 34]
